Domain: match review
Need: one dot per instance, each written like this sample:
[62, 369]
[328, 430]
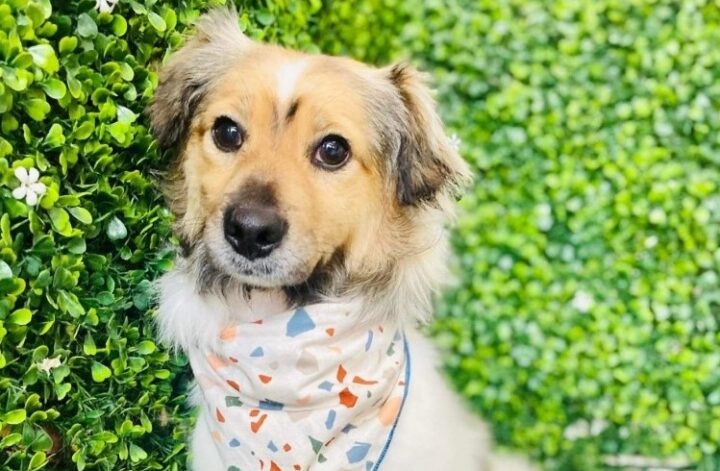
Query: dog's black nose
[254, 232]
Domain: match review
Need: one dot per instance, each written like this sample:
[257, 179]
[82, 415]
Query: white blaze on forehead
[287, 77]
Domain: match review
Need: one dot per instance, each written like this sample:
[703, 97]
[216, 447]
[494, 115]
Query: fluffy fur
[374, 231]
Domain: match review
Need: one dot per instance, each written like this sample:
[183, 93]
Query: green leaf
[38, 460]
[54, 88]
[157, 21]
[20, 317]
[137, 453]
[84, 130]
[265, 18]
[81, 214]
[125, 115]
[36, 108]
[119, 131]
[14, 417]
[68, 44]
[75, 87]
[119, 25]
[62, 389]
[16, 80]
[86, 26]
[5, 234]
[146, 347]
[69, 303]
[116, 230]
[55, 136]
[60, 221]
[22, 61]
[10, 440]
[77, 246]
[100, 372]
[89, 347]
[44, 56]
[5, 270]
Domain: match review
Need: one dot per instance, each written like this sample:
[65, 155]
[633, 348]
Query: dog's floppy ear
[190, 72]
[428, 164]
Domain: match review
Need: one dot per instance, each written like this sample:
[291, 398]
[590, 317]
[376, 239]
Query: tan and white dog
[309, 191]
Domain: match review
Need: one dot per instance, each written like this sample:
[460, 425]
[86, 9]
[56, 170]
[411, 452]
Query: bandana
[305, 389]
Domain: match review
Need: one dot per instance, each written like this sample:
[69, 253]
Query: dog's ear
[190, 72]
[428, 164]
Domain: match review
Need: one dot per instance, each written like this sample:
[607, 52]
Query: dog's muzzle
[254, 231]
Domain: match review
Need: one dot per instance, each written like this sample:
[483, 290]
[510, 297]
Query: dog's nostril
[254, 232]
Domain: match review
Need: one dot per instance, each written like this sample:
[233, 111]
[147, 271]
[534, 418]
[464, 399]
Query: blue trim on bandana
[402, 404]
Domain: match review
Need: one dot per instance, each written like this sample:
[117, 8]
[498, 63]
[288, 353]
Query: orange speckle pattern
[365, 382]
[390, 410]
[216, 363]
[341, 373]
[228, 334]
[347, 398]
[255, 426]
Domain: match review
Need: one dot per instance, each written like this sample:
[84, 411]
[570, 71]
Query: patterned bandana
[306, 389]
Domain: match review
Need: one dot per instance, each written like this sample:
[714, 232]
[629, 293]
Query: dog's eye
[226, 134]
[332, 153]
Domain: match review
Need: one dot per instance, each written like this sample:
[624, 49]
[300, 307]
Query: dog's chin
[278, 270]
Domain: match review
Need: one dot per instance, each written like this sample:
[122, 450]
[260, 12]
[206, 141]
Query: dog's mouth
[302, 281]
[289, 263]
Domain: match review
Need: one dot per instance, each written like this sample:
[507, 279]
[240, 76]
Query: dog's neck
[187, 318]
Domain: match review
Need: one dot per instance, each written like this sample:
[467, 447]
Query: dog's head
[301, 172]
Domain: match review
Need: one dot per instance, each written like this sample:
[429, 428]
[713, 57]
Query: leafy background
[584, 321]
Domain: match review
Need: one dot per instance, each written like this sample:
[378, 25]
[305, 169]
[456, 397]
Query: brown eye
[332, 153]
[227, 134]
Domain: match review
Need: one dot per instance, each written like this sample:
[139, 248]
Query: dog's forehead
[286, 76]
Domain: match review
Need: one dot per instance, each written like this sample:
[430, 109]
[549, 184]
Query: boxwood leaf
[60, 221]
[14, 417]
[86, 26]
[20, 317]
[100, 372]
[157, 21]
[81, 214]
[116, 230]
[44, 56]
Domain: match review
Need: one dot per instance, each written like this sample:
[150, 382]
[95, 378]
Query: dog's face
[291, 165]
[281, 161]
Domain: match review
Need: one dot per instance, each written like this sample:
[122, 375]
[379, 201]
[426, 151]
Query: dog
[311, 196]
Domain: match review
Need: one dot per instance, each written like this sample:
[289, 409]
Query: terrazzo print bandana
[306, 389]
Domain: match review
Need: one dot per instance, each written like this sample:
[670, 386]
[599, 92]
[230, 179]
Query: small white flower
[455, 142]
[48, 364]
[582, 301]
[105, 6]
[30, 188]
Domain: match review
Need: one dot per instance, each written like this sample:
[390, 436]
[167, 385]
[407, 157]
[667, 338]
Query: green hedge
[82, 383]
[588, 247]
